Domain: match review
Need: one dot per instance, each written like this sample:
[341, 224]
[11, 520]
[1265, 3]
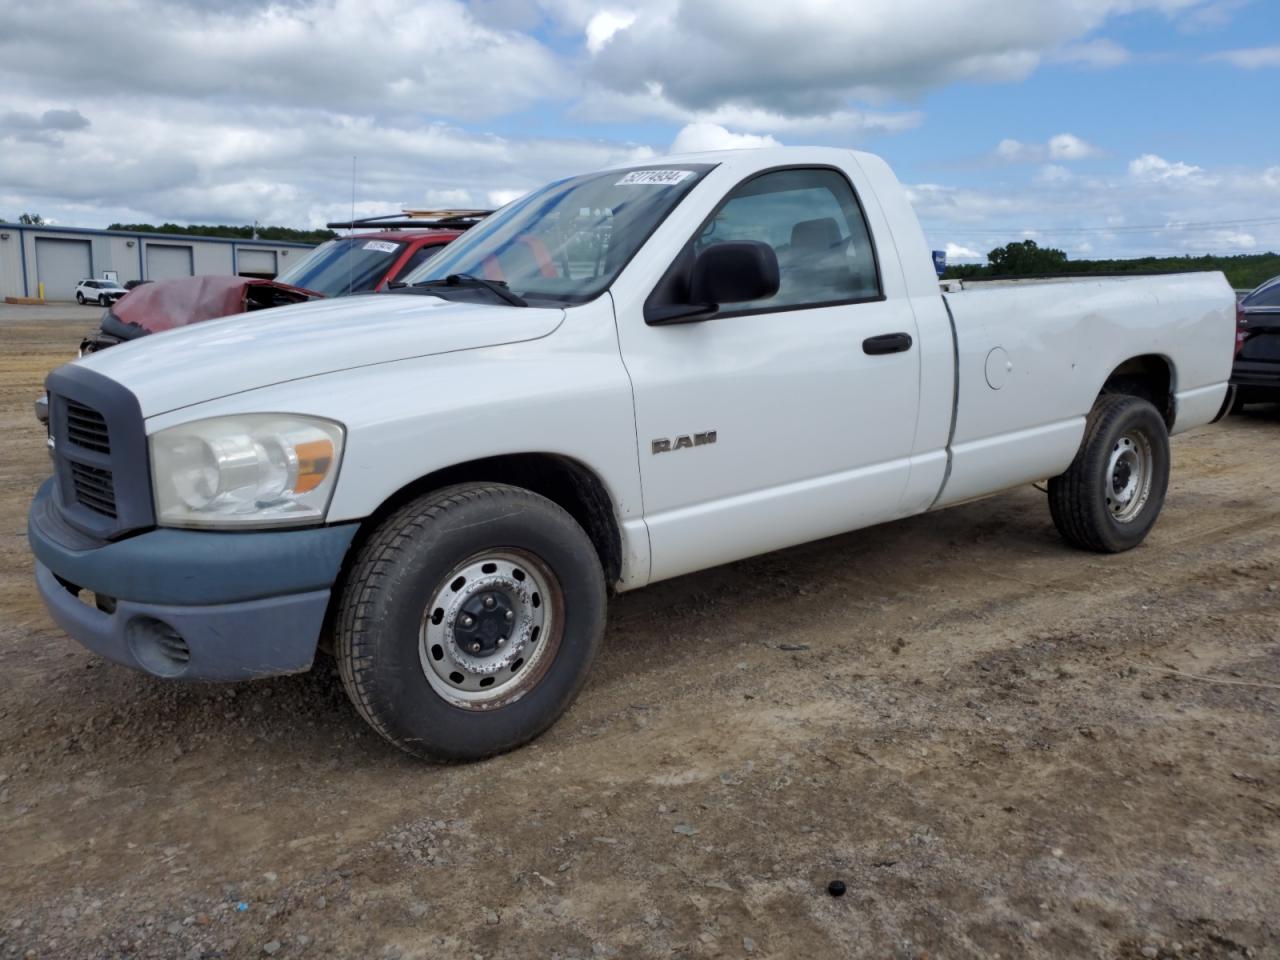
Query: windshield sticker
[654, 178]
[382, 246]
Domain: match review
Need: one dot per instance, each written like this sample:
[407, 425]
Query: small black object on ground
[836, 888]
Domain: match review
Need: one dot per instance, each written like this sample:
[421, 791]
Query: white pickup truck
[622, 377]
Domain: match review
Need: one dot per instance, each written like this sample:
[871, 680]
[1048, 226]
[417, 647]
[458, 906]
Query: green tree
[233, 232]
[31, 219]
[1025, 259]
[1244, 271]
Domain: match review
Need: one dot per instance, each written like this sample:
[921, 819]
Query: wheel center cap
[484, 623]
[1120, 479]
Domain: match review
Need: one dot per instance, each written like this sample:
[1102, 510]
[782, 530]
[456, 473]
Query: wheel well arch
[1152, 377]
[562, 480]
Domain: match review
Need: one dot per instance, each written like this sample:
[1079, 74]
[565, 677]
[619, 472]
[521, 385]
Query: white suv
[105, 292]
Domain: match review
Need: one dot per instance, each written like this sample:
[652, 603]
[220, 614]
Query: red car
[359, 263]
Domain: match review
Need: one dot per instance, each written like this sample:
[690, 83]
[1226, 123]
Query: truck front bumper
[190, 604]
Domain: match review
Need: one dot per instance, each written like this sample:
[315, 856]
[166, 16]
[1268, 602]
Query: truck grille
[99, 443]
[94, 489]
[87, 428]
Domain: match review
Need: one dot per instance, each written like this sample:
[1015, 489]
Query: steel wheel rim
[1130, 470]
[516, 650]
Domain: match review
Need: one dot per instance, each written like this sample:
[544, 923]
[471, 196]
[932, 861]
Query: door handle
[886, 343]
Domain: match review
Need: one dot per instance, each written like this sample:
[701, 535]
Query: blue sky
[1106, 127]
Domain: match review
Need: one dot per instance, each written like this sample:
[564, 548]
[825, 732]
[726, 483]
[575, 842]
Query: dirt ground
[1003, 747]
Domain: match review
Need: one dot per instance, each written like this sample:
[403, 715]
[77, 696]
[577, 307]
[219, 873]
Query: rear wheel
[1110, 497]
[469, 621]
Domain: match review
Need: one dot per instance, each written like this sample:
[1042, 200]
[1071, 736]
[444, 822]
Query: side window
[815, 225]
[417, 259]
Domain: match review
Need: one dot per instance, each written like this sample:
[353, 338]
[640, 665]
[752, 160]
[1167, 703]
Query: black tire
[103, 301]
[1082, 501]
[397, 578]
[80, 298]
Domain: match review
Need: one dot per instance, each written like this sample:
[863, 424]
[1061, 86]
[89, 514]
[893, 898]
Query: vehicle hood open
[223, 357]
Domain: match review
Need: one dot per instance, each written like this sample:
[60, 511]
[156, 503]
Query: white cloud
[1151, 207]
[1063, 146]
[1054, 173]
[1233, 240]
[809, 57]
[1067, 146]
[1210, 16]
[376, 56]
[237, 111]
[957, 253]
[651, 103]
[699, 137]
[1150, 168]
[1254, 58]
[602, 27]
[209, 164]
[1097, 54]
[1015, 151]
[500, 198]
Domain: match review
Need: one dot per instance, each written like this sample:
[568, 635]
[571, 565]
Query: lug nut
[475, 648]
[489, 602]
[501, 641]
[468, 621]
[510, 615]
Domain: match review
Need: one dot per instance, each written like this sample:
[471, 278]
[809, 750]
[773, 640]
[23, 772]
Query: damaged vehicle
[361, 263]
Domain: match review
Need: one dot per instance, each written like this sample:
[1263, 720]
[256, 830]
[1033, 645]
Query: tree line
[1026, 258]
[285, 234]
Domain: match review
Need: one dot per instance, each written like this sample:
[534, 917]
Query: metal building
[60, 257]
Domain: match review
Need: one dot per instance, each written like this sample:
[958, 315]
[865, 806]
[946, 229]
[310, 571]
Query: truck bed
[1031, 361]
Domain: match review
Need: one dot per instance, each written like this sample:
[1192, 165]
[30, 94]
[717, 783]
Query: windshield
[342, 266]
[566, 242]
[1267, 295]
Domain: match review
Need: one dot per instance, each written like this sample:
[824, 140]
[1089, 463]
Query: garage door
[60, 265]
[256, 263]
[167, 261]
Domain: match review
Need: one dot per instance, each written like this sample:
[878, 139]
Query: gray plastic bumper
[226, 641]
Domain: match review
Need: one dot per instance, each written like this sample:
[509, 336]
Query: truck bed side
[1032, 359]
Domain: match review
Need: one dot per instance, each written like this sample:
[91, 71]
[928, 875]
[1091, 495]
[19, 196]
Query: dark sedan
[1256, 373]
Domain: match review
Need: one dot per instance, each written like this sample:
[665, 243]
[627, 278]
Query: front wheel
[469, 621]
[80, 298]
[1109, 498]
[103, 301]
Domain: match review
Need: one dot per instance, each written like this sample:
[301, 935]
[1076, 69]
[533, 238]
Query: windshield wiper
[497, 287]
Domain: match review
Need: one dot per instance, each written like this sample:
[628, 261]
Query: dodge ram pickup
[622, 377]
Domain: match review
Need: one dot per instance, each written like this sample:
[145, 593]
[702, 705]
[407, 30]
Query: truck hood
[252, 350]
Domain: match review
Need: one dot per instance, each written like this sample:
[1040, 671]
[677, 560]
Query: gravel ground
[1002, 747]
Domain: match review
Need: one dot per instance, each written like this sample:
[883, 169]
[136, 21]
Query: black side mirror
[732, 272]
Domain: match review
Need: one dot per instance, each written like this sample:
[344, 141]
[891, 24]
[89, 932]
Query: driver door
[773, 423]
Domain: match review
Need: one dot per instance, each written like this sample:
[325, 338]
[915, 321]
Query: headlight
[254, 470]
